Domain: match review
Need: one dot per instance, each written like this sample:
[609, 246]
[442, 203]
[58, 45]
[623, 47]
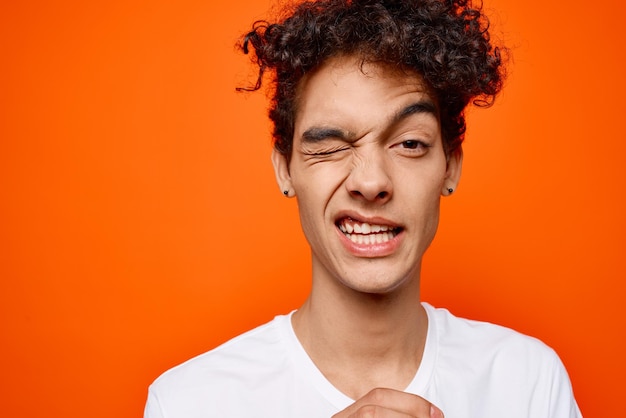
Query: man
[368, 116]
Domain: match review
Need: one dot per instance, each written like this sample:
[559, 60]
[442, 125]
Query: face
[368, 169]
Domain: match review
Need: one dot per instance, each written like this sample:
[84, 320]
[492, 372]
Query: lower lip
[382, 249]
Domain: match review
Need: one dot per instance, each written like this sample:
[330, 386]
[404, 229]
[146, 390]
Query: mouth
[366, 233]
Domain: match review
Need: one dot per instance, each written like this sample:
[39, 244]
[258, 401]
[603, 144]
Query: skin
[367, 148]
[390, 403]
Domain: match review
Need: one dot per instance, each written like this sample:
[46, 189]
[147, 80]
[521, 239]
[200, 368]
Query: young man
[368, 115]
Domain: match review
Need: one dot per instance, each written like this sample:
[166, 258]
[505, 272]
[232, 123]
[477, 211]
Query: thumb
[435, 412]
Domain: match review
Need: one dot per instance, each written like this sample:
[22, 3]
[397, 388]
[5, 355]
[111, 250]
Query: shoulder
[483, 347]
[499, 365]
[481, 336]
[251, 355]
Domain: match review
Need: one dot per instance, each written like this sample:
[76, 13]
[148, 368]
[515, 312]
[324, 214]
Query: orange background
[141, 225]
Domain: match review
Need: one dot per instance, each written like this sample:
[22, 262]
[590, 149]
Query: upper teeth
[366, 234]
[362, 228]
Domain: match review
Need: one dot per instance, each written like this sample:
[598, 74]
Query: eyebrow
[318, 134]
[423, 106]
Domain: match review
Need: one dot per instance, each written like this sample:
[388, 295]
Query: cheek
[427, 221]
[314, 192]
[316, 184]
[424, 184]
[425, 199]
[429, 208]
[312, 220]
[311, 203]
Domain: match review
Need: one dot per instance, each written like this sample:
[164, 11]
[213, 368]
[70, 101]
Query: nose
[369, 179]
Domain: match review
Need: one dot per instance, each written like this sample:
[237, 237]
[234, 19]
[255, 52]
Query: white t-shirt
[468, 369]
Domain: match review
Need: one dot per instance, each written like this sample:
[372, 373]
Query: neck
[360, 341]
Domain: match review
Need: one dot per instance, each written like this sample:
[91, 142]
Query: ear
[281, 170]
[453, 171]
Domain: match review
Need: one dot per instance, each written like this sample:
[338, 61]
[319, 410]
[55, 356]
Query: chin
[376, 285]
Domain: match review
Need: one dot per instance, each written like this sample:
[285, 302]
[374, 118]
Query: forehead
[347, 88]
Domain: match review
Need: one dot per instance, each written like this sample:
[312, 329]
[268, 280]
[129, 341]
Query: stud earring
[286, 193]
[450, 190]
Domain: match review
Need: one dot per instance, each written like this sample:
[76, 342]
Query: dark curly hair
[446, 41]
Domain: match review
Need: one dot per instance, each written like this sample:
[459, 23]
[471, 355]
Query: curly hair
[446, 41]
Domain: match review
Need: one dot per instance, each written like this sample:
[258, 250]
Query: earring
[286, 193]
[450, 190]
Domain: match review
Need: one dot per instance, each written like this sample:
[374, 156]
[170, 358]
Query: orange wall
[140, 223]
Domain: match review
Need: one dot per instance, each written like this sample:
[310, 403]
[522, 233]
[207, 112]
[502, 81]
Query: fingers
[435, 412]
[389, 403]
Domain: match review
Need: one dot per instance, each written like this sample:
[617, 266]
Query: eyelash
[409, 144]
[323, 153]
[415, 142]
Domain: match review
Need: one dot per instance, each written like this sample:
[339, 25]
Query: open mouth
[366, 233]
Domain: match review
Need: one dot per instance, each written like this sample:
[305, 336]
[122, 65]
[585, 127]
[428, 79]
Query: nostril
[379, 196]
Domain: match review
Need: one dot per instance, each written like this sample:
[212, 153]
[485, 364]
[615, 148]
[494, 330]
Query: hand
[381, 403]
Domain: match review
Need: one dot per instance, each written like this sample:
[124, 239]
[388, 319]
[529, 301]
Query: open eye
[412, 147]
[412, 144]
